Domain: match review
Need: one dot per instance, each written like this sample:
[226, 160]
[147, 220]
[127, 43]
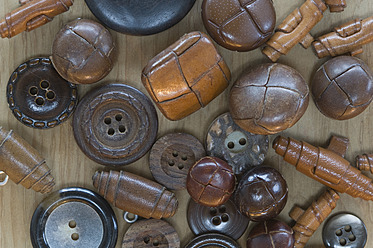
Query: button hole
[33, 91]
[230, 145]
[213, 211]
[216, 221]
[72, 224]
[342, 242]
[180, 166]
[111, 131]
[338, 232]
[118, 117]
[348, 228]
[146, 240]
[155, 243]
[224, 218]
[222, 209]
[107, 121]
[242, 141]
[184, 157]
[75, 236]
[39, 101]
[50, 95]
[122, 129]
[171, 163]
[44, 84]
[352, 237]
[175, 154]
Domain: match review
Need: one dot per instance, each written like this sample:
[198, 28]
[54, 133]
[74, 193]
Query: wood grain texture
[71, 167]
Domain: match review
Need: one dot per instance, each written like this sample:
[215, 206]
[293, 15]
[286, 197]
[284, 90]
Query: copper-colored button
[38, 96]
[115, 124]
[225, 219]
[171, 158]
[212, 240]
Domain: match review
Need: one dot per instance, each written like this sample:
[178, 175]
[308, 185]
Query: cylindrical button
[214, 240]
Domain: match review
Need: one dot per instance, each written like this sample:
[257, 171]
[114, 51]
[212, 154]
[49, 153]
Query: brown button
[334, 94]
[241, 149]
[38, 96]
[82, 51]
[239, 25]
[171, 158]
[115, 124]
[151, 233]
[211, 181]
[212, 240]
[225, 219]
[268, 98]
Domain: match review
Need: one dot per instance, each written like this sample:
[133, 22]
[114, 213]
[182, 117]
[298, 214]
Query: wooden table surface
[71, 167]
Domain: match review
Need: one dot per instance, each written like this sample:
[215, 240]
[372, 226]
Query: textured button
[212, 240]
[239, 25]
[344, 230]
[143, 17]
[225, 219]
[151, 233]
[38, 96]
[115, 124]
[241, 149]
[171, 158]
[82, 52]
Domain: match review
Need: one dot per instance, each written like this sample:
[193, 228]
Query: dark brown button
[151, 233]
[270, 234]
[212, 240]
[115, 124]
[82, 52]
[38, 96]
[268, 99]
[261, 193]
[211, 181]
[171, 158]
[239, 25]
[225, 219]
[241, 149]
[333, 91]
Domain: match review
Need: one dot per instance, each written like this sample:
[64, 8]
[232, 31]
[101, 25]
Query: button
[210, 240]
[171, 158]
[38, 96]
[224, 219]
[74, 217]
[241, 149]
[151, 233]
[143, 17]
[115, 124]
[344, 230]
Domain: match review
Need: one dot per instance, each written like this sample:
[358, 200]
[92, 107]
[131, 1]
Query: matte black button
[212, 240]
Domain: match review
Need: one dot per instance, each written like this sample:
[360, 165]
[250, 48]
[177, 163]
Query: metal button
[212, 240]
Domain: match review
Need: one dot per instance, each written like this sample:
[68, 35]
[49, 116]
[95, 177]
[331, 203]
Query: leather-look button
[212, 240]
[344, 230]
[82, 51]
[143, 17]
[151, 233]
[241, 149]
[171, 158]
[210, 181]
[38, 96]
[225, 219]
[115, 124]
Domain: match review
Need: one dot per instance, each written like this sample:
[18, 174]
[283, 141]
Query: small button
[38, 96]
[344, 231]
[151, 233]
[210, 240]
[241, 149]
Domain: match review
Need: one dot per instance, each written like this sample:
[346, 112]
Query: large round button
[171, 158]
[212, 240]
[344, 230]
[74, 217]
[241, 149]
[38, 96]
[225, 219]
[115, 124]
[151, 233]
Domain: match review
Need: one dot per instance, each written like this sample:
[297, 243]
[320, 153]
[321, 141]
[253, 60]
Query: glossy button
[171, 158]
[151, 233]
[344, 230]
[115, 124]
[38, 96]
[212, 240]
[241, 149]
[225, 219]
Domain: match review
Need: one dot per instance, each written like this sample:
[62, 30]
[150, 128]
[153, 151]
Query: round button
[38, 96]
[74, 217]
[344, 230]
[171, 158]
[214, 240]
[151, 233]
[115, 124]
[241, 149]
[225, 219]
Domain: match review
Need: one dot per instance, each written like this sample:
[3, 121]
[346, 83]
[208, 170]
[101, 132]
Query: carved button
[171, 158]
[151, 233]
[214, 240]
[115, 124]
[225, 219]
[344, 230]
[241, 149]
[38, 96]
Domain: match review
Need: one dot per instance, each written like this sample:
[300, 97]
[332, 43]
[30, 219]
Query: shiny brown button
[225, 219]
[38, 96]
[212, 240]
[82, 52]
[239, 25]
[241, 149]
[115, 124]
[171, 158]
